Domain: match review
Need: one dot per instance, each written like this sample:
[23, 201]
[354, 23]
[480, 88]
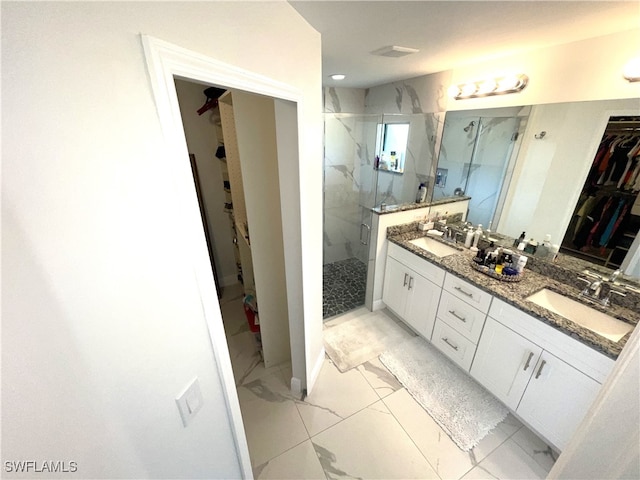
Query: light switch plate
[190, 402]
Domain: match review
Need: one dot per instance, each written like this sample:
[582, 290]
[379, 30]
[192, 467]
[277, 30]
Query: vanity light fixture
[487, 87]
[631, 70]
[338, 76]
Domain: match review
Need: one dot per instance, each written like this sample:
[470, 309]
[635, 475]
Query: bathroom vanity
[546, 368]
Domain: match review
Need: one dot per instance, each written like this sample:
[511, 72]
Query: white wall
[584, 70]
[102, 324]
[202, 141]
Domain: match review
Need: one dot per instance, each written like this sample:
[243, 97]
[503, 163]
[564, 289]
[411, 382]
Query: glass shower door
[349, 195]
[488, 166]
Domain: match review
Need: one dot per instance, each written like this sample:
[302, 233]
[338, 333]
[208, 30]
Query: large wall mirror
[525, 170]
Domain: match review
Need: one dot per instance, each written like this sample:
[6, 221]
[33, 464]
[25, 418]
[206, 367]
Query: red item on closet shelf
[252, 318]
[208, 106]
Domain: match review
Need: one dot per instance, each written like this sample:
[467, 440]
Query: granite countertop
[515, 293]
[413, 206]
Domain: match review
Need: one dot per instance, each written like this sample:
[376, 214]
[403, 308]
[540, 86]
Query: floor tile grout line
[528, 454]
[408, 435]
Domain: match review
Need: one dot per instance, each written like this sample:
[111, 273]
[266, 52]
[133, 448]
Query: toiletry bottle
[422, 193]
[477, 235]
[522, 261]
[469, 238]
[531, 247]
[519, 240]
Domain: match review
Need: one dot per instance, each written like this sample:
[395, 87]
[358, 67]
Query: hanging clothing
[613, 222]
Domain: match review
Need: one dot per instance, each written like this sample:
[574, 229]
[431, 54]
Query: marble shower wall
[482, 179]
[396, 188]
[348, 184]
[423, 100]
[351, 183]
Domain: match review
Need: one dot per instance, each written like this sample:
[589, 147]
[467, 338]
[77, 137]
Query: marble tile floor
[343, 286]
[362, 424]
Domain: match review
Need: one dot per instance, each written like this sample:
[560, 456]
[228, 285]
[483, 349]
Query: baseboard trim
[296, 387]
[378, 305]
[311, 381]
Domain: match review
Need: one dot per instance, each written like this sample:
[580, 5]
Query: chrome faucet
[600, 290]
[614, 276]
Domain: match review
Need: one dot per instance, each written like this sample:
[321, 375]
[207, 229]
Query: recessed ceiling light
[394, 51]
[338, 76]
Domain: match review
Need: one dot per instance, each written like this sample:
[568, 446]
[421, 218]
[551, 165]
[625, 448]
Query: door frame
[166, 61]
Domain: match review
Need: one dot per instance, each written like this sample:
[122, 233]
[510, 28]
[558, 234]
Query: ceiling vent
[394, 51]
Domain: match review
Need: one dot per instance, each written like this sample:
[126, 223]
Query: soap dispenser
[477, 235]
[469, 238]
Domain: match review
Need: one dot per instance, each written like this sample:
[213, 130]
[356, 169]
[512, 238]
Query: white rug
[361, 336]
[462, 407]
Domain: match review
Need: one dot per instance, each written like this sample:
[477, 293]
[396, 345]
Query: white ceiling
[450, 33]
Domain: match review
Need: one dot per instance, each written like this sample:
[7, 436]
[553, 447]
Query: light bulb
[469, 89]
[453, 91]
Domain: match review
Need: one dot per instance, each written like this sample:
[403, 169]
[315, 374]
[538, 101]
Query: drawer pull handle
[406, 276]
[410, 283]
[462, 319]
[542, 364]
[465, 293]
[446, 340]
[526, 365]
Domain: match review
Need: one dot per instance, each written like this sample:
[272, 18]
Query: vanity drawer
[461, 316]
[419, 265]
[453, 345]
[467, 292]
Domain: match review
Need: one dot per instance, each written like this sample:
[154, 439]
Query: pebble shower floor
[343, 286]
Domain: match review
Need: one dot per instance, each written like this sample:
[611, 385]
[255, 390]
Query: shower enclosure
[368, 160]
[474, 160]
[349, 195]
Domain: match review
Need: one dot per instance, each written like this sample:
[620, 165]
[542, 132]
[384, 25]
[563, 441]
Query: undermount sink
[435, 247]
[582, 314]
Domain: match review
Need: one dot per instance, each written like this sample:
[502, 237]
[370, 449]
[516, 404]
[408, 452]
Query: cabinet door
[422, 304]
[396, 280]
[504, 362]
[557, 399]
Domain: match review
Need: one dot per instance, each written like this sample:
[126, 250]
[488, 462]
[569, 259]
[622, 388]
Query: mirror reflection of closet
[606, 218]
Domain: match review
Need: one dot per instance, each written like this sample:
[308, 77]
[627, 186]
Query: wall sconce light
[631, 70]
[488, 87]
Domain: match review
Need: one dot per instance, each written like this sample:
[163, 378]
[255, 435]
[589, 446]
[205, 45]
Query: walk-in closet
[606, 218]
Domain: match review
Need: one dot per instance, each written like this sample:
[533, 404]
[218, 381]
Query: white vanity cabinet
[547, 378]
[461, 314]
[504, 362]
[557, 399]
[412, 289]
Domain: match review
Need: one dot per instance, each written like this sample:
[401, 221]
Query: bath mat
[462, 407]
[355, 339]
